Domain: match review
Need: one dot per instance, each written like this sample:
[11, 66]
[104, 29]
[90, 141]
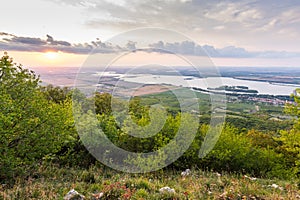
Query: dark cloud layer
[16, 43]
[10, 42]
[53, 42]
[190, 48]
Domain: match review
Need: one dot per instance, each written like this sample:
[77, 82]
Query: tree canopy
[31, 126]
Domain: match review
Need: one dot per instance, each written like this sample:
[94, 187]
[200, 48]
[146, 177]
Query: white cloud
[268, 24]
[234, 12]
[219, 27]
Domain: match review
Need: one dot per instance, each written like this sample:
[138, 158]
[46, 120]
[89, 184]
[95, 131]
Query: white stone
[166, 189]
[72, 194]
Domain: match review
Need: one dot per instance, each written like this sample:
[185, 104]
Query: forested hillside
[39, 145]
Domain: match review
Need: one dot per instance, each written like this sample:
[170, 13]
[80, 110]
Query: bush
[32, 127]
[235, 152]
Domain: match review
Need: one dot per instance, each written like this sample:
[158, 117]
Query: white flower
[186, 172]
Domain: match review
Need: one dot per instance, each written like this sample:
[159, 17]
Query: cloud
[53, 42]
[190, 48]
[233, 12]
[131, 45]
[249, 22]
[10, 42]
[6, 34]
[248, 14]
[235, 52]
[26, 40]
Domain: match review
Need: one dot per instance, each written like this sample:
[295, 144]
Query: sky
[232, 33]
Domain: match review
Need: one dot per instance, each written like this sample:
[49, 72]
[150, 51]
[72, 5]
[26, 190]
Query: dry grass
[54, 183]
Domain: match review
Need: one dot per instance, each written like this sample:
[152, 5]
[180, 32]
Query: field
[236, 107]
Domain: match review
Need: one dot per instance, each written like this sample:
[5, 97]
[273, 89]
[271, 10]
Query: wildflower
[186, 172]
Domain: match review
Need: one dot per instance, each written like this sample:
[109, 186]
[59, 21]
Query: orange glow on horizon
[60, 59]
[46, 59]
[51, 55]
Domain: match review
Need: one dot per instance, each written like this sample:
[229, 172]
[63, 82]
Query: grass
[50, 182]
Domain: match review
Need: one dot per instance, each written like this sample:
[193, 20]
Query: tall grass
[51, 182]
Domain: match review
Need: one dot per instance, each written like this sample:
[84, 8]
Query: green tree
[31, 127]
[56, 94]
[290, 139]
[137, 110]
[103, 103]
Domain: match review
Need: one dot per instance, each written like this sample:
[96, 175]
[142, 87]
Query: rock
[250, 178]
[186, 172]
[276, 186]
[73, 195]
[218, 174]
[166, 189]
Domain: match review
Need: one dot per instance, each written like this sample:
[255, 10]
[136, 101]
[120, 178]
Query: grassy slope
[54, 183]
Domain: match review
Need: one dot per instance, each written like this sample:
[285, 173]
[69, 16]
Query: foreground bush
[32, 128]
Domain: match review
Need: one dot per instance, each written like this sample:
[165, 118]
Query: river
[213, 82]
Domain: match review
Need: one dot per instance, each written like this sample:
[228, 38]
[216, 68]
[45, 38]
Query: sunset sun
[51, 55]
